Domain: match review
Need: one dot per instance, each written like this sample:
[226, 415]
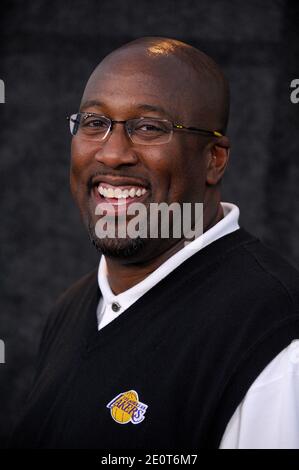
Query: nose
[117, 149]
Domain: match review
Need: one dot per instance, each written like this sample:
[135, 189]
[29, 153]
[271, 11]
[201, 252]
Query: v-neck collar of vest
[154, 300]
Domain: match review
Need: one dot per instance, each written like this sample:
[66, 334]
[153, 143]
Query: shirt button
[115, 307]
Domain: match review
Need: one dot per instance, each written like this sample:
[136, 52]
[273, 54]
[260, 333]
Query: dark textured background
[48, 49]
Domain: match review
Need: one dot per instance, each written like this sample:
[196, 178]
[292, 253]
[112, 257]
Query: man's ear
[217, 160]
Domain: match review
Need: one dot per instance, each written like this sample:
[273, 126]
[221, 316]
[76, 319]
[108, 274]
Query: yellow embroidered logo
[126, 408]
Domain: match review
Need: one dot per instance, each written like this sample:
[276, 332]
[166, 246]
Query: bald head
[196, 85]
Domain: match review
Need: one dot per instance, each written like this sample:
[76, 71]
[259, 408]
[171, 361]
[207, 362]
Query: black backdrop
[48, 49]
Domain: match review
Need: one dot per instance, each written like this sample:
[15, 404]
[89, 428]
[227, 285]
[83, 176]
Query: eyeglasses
[143, 130]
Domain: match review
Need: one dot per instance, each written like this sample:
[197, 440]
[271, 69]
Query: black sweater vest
[186, 353]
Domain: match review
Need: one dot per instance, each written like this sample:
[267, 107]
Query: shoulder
[77, 292]
[269, 272]
[259, 294]
[77, 289]
[67, 306]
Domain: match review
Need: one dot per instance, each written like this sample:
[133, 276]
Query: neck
[122, 276]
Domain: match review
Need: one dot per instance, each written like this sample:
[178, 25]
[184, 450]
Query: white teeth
[110, 192]
[120, 193]
[117, 193]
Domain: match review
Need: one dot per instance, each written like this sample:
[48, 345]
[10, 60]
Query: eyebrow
[141, 107]
[89, 103]
[150, 107]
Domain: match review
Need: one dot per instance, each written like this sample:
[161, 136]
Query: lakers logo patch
[126, 408]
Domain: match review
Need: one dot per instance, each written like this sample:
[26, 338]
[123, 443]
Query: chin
[117, 247]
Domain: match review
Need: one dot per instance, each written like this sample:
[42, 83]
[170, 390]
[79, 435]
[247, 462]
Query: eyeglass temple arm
[196, 129]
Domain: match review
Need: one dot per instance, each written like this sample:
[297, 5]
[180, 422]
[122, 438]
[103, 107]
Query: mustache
[115, 174]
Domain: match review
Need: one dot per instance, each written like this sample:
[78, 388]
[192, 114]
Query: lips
[119, 181]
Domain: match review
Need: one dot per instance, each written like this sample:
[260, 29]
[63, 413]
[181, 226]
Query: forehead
[127, 83]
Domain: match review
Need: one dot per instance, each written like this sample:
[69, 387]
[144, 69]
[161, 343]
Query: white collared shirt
[268, 416]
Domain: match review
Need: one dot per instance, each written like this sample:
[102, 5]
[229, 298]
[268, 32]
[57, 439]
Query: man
[167, 344]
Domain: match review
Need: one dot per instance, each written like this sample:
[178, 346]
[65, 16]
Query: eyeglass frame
[175, 126]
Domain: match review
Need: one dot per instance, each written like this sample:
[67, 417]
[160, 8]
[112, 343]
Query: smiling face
[126, 85]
